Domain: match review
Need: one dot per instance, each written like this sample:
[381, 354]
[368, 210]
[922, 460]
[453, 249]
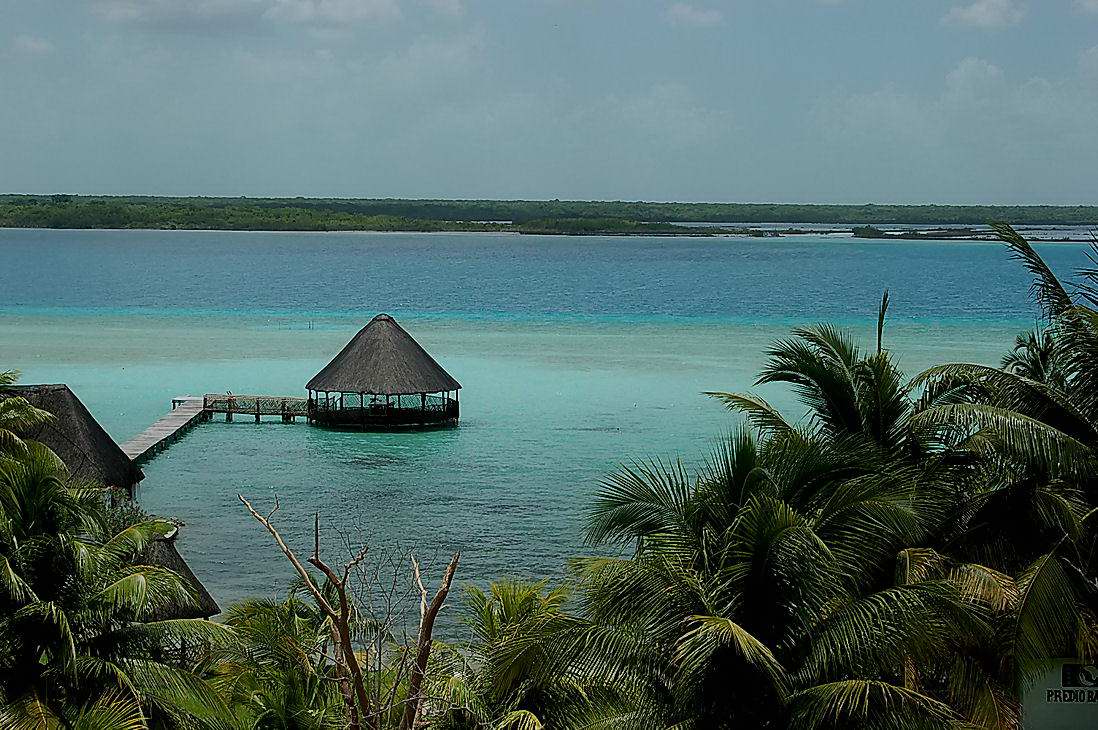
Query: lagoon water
[576, 355]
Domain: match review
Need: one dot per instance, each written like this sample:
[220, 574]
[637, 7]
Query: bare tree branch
[346, 660]
[298, 566]
[423, 644]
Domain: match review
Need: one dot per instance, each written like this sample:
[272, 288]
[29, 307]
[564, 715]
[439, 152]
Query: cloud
[973, 78]
[1087, 6]
[1008, 139]
[181, 14]
[424, 69]
[447, 7]
[987, 14]
[1088, 63]
[178, 13]
[30, 46]
[685, 14]
[231, 14]
[333, 12]
[427, 61]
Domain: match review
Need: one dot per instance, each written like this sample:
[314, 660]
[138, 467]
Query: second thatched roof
[383, 359]
[162, 552]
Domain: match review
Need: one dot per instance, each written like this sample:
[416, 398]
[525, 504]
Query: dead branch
[340, 622]
[342, 612]
[301, 571]
[422, 589]
[423, 643]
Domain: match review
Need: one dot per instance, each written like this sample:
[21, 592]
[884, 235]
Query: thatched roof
[163, 553]
[383, 359]
[76, 437]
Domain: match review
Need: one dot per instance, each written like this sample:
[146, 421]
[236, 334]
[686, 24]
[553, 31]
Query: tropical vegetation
[521, 216]
[87, 640]
[911, 553]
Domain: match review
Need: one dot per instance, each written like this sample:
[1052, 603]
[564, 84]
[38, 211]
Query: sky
[832, 101]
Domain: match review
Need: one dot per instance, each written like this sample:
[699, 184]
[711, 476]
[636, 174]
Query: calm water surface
[576, 354]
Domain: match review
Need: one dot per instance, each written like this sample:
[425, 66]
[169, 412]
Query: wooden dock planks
[186, 412]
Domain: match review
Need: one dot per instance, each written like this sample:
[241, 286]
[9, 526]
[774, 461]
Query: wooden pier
[185, 413]
[188, 411]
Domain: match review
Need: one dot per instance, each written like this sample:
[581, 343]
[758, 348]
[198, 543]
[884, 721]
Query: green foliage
[17, 416]
[910, 554]
[527, 216]
[524, 668]
[274, 674]
[83, 641]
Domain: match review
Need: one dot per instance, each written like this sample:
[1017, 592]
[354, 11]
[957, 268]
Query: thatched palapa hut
[383, 379]
[76, 437]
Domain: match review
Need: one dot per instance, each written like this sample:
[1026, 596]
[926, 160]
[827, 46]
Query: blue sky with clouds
[722, 100]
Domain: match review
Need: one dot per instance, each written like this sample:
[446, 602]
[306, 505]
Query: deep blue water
[470, 275]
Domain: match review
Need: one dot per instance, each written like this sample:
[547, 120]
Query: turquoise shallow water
[575, 356]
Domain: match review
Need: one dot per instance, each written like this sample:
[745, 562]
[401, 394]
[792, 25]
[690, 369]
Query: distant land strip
[517, 216]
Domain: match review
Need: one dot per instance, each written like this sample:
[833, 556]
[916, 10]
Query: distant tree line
[522, 216]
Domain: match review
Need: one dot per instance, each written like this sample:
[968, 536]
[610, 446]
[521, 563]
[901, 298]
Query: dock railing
[256, 405]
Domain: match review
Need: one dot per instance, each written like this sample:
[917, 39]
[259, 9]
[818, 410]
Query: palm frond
[984, 585]
[882, 312]
[1019, 435]
[868, 704]
[818, 364]
[111, 712]
[143, 589]
[130, 542]
[29, 713]
[710, 634]
[640, 501]
[50, 613]
[915, 622]
[1046, 618]
[179, 693]
[12, 585]
[1046, 287]
[759, 413]
[1012, 391]
[519, 720]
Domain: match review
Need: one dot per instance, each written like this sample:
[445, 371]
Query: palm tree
[1034, 357]
[275, 674]
[850, 395]
[912, 550]
[762, 590]
[1031, 430]
[524, 668]
[17, 415]
[81, 638]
